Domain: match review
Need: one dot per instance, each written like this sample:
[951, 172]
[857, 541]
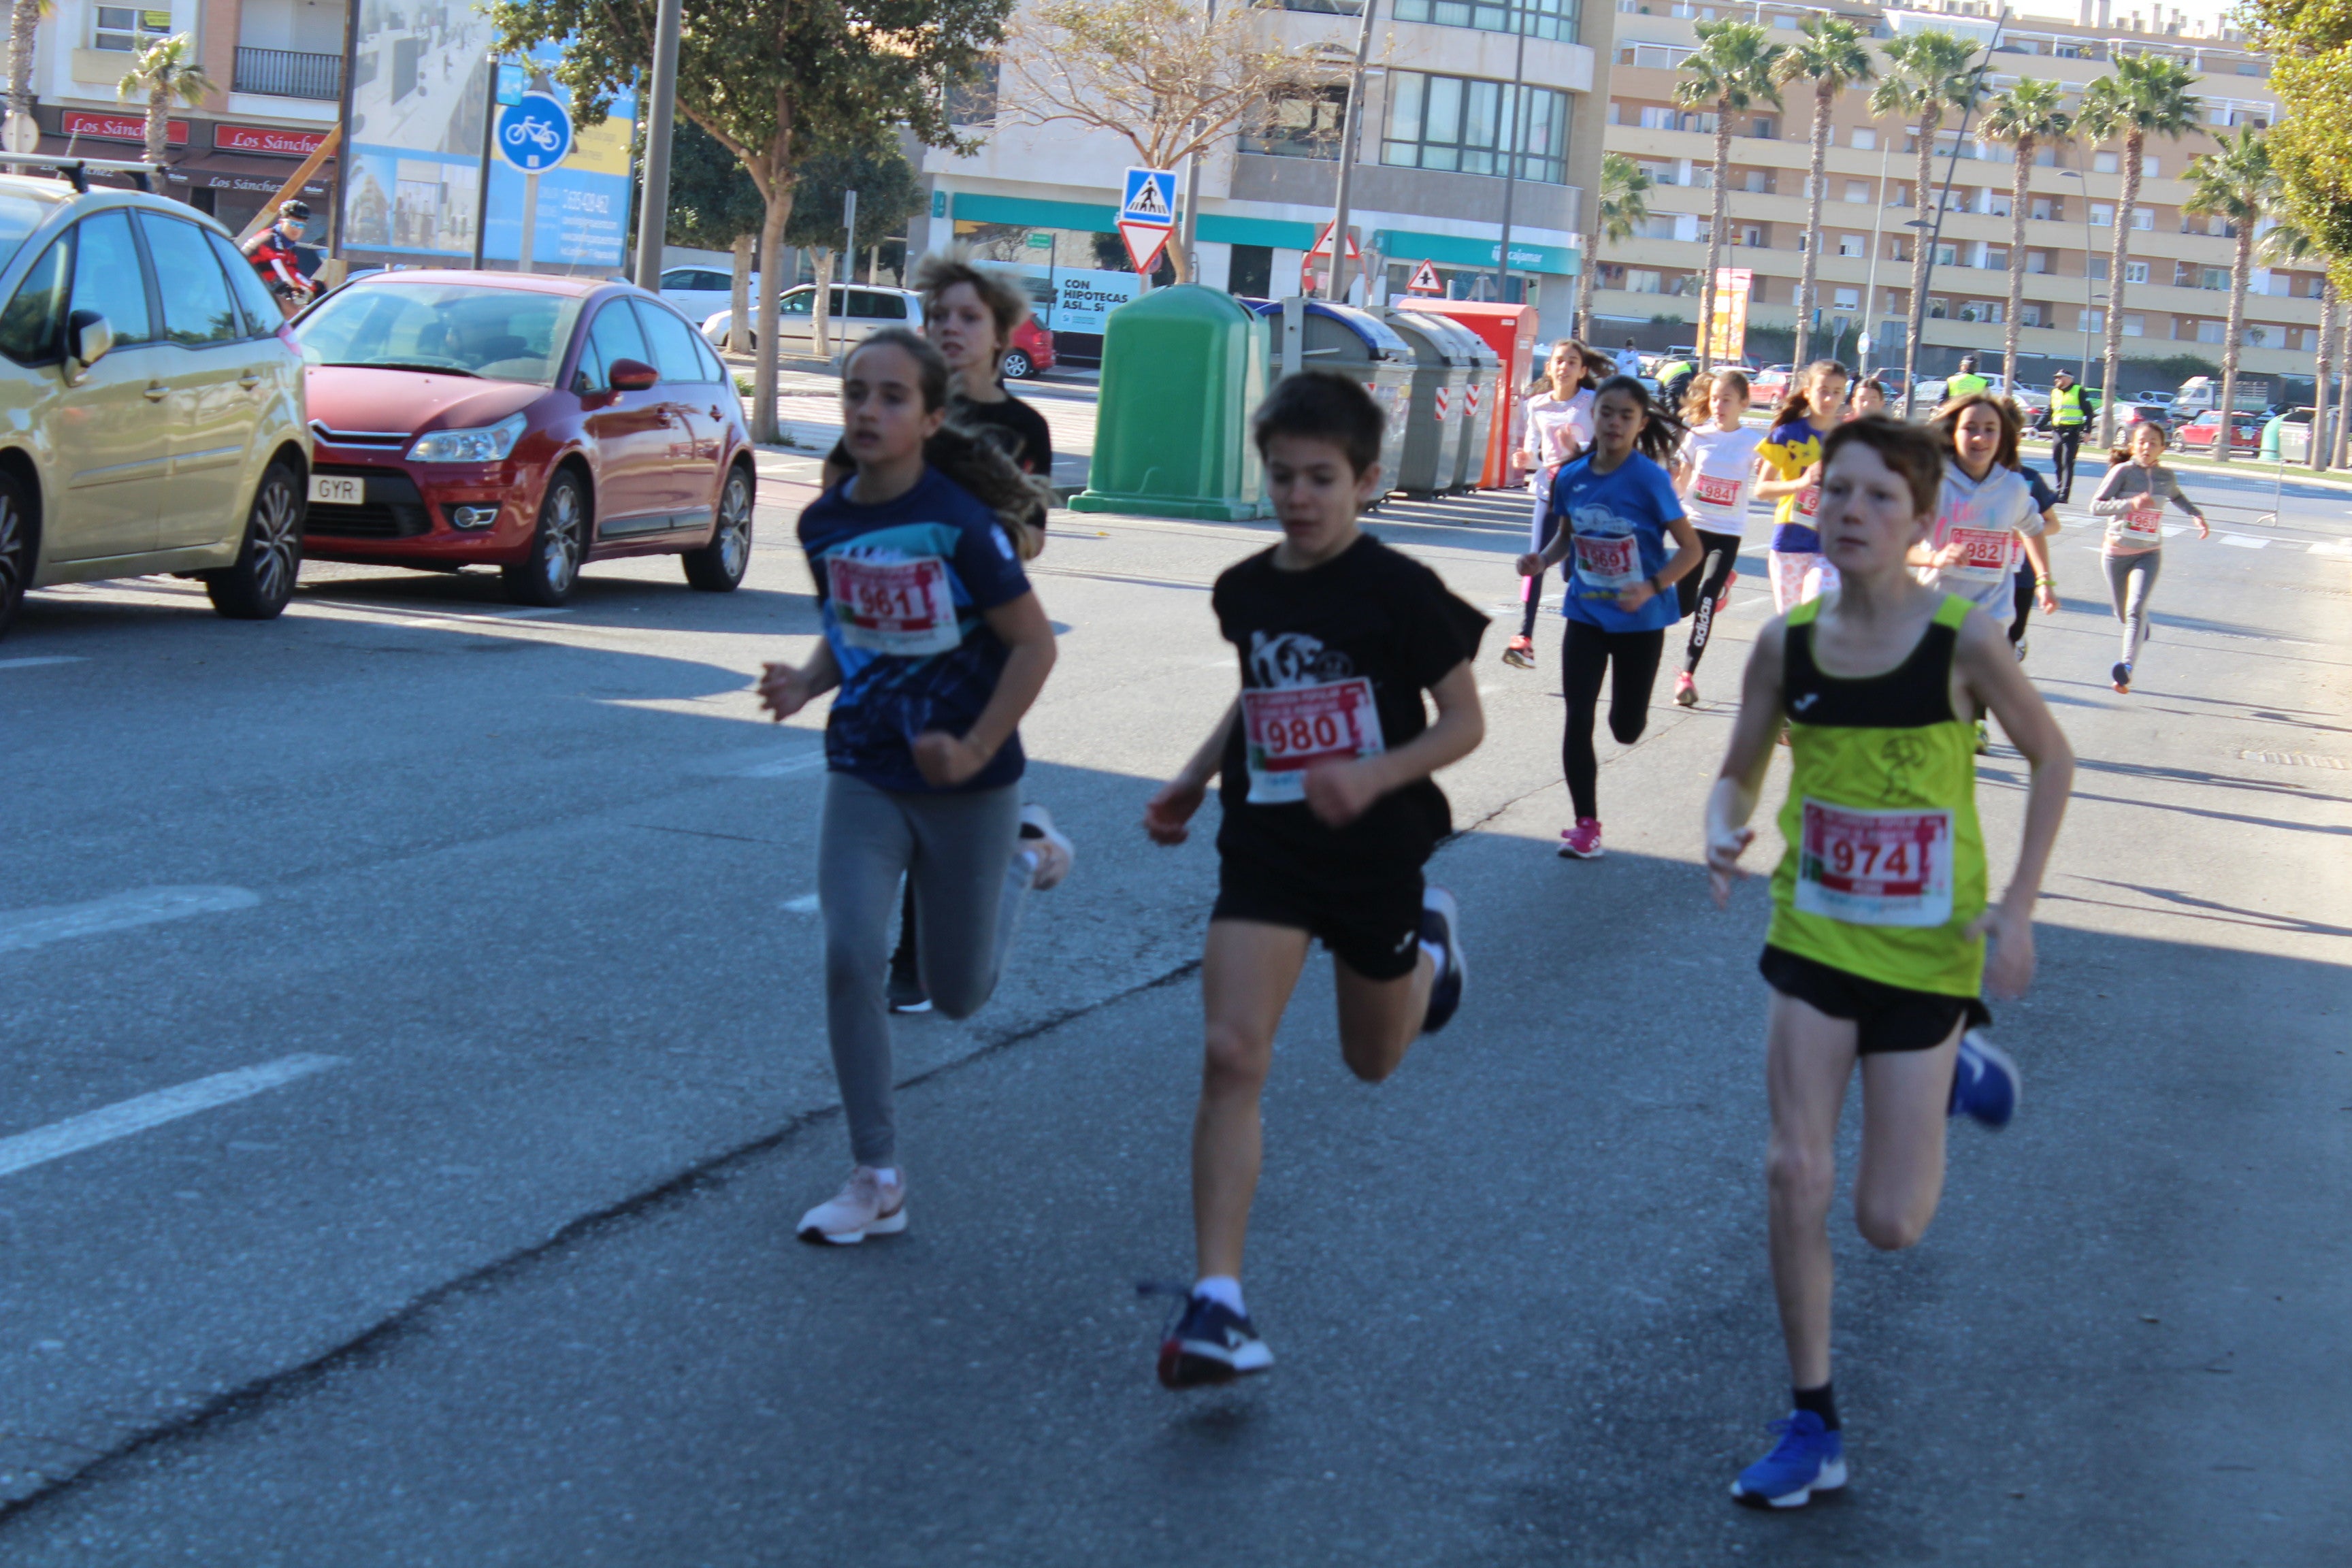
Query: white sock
[886, 1174]
[1223, 1290]
[1436, 956]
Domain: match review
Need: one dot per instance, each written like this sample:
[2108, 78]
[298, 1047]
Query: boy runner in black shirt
[1330, 813]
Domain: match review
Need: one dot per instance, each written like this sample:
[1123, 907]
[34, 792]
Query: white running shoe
[1049, 851]
[865, 1206]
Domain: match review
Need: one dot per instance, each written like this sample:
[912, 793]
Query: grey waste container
[1486, 394]
[1432, 463]
[1345, 338]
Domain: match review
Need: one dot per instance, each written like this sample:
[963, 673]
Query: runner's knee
[1234, 1061]
[1800, 1178]
[1628, 727]
[1889, 1225]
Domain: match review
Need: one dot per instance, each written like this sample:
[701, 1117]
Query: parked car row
[854, 312]
[162, 416]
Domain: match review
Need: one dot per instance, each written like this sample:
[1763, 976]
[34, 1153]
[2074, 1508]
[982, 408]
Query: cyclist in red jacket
[273, 256]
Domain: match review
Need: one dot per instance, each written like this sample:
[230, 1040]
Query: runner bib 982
[1290, 728]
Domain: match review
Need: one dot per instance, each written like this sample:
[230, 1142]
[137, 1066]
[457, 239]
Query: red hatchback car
[533, 424]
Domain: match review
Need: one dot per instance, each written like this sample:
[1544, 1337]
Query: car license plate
[336, 489]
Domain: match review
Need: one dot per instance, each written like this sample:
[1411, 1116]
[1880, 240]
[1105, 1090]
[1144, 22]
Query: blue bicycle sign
[534, 133]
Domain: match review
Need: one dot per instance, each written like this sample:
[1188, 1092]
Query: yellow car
[150, 405]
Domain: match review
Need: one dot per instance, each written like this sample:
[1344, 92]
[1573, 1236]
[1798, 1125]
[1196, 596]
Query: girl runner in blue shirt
[1614, 509]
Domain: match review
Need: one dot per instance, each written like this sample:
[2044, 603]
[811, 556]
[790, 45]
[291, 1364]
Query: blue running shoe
[1808, 1458]
[1210, 1343]
[1441, 927]
[1985, 1082]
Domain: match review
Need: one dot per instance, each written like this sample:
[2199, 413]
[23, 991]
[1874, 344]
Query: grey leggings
[2130, 579]
[956, 851]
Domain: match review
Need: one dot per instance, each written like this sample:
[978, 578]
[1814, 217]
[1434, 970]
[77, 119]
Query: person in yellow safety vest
[2069, 414]
[1968, 383]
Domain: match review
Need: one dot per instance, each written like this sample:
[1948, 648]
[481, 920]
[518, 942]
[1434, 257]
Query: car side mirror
[631, 375]
[88, 337]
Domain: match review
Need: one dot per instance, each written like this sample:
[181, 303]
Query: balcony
[283, 73]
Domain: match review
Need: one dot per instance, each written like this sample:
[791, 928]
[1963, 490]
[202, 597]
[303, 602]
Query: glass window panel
[673, 343]
[262, 315]
[614, 336]
[107, 278]
[1404, 106]
[197, 309]
[35, 316]
[1482, 114]
[1442, 121]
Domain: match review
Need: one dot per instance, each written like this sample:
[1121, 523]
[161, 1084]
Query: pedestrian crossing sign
[1147, 216]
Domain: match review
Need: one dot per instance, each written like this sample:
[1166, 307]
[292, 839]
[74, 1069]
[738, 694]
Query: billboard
[1727, 333]
[422, 81]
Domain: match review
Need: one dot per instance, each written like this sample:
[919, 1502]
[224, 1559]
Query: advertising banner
[1072, 298]
[1727, 323]
[75, 122]
[421, 89]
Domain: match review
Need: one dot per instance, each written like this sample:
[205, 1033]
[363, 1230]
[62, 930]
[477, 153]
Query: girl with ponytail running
[2132, 500]
[1793, 451]
[1558, 429]
[1717, 464]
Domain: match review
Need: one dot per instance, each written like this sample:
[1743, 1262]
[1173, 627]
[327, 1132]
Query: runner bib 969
[1608, 563]
[1290, 728]
[900, 607]
[1876, 867]
[2145, 523]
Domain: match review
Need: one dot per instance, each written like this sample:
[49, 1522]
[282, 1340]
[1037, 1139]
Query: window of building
[1997, 202]
[1846, 298]
[2103, 214]
[1852, 245]
[1763, 129]
[127, 27]
[1938, 310]
[1865, 139]
[2144, 217]
[1616, 113]
[1459, 124]
[2316, 289]
[1980, 310]
[1657, 225]
[1752, 233]
[2045, 208]
[1948, 255]
[2029, 315]
[2151, 166]
[2105, 163]
[1640, 281]
[2045, 157]
[2135, 324]
[2096, 269]
[1858, 192]
[1653, 56]
[2210, 332]
[2037, 262]
[2135, 271]
[2214, 277]
[1543, 18]
[1757, 181]
[1298, 122]
[2258, 337]
[2090, 320]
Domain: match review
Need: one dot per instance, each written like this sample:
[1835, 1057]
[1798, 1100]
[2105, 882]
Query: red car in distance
[1030, 352]
[2199, 433]
[528, 423]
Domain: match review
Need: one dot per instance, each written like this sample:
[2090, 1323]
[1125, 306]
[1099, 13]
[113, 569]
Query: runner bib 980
[1290, 728]
[898, 607]
[1876, 867]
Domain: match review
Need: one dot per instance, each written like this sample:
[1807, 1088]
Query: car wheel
[16, 550]
[719, 566]
[545, 576]
[258, 587]
[1016, 364]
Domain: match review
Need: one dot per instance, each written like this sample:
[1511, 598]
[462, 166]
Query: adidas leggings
[957, 853]
[1628, 660]
[1701, 592]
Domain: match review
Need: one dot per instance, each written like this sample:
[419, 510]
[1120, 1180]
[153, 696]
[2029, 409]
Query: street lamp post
[1352, 116]
[1516, 137]
[653, 217]
[1934, 235]
[2089, 293]
[1870, 289]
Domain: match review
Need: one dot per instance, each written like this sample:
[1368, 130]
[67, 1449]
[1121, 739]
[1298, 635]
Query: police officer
[1674, 379]
[1968, 383]
[2070, 412]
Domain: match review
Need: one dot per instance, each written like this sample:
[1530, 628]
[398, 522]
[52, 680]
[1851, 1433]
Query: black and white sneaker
[904, 988]
[1209, 1344]
[1441, 927]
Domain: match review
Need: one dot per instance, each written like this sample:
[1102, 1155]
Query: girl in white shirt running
[1557, 428]
[1713, 474]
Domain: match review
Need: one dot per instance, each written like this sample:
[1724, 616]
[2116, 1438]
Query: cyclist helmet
[299, 211]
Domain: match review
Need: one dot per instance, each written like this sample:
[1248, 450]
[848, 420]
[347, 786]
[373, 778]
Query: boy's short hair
[1327, 405]
[942, 271]
[1909, 450]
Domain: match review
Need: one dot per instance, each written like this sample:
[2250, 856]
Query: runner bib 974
[1876, 867]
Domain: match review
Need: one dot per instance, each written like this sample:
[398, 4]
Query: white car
[699, 290]
[856, 312]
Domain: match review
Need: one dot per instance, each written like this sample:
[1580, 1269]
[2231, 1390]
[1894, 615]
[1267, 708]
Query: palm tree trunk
[2241, 268]
[2115, 338]
[2016, 261]
[23, 22]
[1822, 100]
[1587, 264]
[2318, 455]
[1921, 246]
[1714, 236]
[159, 121]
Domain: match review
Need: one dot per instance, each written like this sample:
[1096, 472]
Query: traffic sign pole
[653, 218]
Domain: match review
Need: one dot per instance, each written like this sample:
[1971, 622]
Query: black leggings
[1700, 591]
[1531, 589]
[1585, 654]
[2024, 605]
[2065, 442]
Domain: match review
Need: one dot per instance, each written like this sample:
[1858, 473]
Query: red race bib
[1290, 728]
[898, 607]
[1876, 867]
[1608, 563]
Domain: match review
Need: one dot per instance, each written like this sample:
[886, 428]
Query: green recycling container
[1182, 370]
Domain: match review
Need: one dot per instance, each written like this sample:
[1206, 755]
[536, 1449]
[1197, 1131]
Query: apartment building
[278, 64]
[2177, 277]
[1434, 145]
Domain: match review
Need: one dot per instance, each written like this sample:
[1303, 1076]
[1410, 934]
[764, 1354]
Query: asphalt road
[414, 1066]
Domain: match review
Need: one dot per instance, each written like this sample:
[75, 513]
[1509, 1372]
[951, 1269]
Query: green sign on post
[1040, 242]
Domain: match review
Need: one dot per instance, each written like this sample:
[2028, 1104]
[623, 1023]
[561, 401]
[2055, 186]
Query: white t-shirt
[1724, 465]
[1552, 419]
[1987, 516]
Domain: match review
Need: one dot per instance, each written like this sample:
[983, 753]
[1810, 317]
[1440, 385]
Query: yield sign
[1147, 216]
[1425, 281]
[1144, 243]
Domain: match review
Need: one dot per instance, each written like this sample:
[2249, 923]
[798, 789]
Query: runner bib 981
[1876, 867]
[1290, 728]
[898, 607]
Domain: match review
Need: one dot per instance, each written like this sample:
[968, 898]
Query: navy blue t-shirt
[902, 589]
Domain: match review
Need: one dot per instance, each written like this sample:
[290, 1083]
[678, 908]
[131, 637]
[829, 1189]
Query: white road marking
[781, 767]
[22, 929]
[806, 904]
[41, 658]
[2331, 547]
[109, 1122]
[2244, 541]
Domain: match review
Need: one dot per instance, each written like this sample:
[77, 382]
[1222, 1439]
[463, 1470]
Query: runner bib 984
[1876, 867]
[899, 607]
[1290, 728]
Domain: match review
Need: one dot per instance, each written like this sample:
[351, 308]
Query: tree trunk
[1823, 98]
[2320, 440]
[821, 314]
[2133, 142]
[2241, 268]
[1714, 238]
[764, 315]
[23, 23]
[159, 119]
[2344, 421]
[1921, 246]
[1587, 265]
[2016, 263]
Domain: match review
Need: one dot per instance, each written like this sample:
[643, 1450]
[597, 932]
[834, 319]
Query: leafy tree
[166, 71]
[1930, 74]
[1624, 203]
[2310, 44]
[1834, 54]
[772, 84]
[1730, 72]
[2025, 116]
[2235, 182]
[888, 194]
[711, 199]
[2292, 244]
[2143, 96]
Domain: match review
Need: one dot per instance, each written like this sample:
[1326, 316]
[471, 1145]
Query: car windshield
[19, 215]
[464, 329]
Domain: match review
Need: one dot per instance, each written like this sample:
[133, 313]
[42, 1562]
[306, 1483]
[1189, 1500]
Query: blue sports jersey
[1619, 522]
[901, 589]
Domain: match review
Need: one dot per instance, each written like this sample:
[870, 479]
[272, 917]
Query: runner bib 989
[899, 607]
[1290, 728]
[1876, 867]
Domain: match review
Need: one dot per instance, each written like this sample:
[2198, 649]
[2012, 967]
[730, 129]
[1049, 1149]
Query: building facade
[2178, 276]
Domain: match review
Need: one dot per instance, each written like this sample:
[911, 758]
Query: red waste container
[1510, 332]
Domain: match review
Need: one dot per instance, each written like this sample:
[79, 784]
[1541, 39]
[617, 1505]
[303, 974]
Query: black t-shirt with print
[1334, 662]
[1019, 430]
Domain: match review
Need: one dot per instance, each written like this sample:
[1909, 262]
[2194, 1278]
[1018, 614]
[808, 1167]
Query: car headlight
[489, 444]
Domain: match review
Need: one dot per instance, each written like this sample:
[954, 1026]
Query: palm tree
[2292, 244]
[23, 24]
[1624, 203]
[165, 70]
[1834, 56]
[2029, 113]
[1930, 74]
[2143, 96]
[2235, 183]
[1729, 73]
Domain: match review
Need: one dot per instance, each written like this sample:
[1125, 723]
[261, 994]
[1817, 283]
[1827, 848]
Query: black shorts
[1886, 1017]
[1372, 928]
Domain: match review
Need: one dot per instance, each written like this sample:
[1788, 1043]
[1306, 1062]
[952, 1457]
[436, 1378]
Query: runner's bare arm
[1993, 677]
[1733, 800]
[786, 688]
[1774, 488]
[1021, 624]
[1535, 563]
[1168, 813]
[2037, 555]
[1338, 793]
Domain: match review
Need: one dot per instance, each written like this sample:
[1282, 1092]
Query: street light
[2089, 293]
[1352, 118]
[1935, 234]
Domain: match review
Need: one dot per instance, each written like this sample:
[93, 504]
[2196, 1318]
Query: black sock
[1822, 1401]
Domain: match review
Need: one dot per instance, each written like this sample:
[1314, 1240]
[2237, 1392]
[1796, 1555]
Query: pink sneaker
[1686, 690]
[865, 1206]
[1582, 842]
